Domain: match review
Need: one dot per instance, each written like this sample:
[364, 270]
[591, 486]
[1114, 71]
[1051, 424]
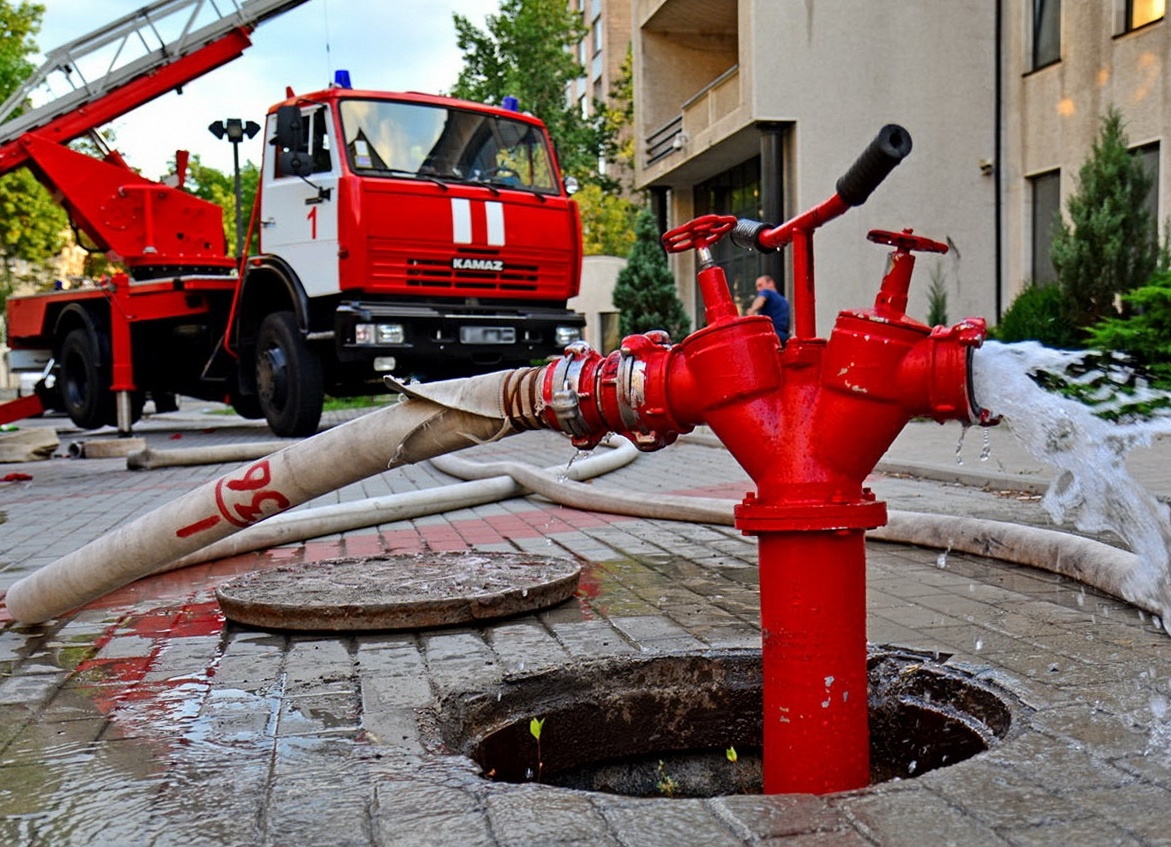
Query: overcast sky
[394, 45]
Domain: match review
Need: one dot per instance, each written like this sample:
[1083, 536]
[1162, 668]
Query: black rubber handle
[889, 147]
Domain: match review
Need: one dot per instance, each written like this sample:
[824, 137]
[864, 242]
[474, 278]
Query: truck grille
[438, 274]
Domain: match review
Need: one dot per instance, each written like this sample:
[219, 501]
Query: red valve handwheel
[701, 232]
[906, 241]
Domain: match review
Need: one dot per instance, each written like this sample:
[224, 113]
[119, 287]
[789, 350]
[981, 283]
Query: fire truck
[399, 233]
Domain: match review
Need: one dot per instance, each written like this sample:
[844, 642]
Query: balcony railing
[700, 112]
[663, 141]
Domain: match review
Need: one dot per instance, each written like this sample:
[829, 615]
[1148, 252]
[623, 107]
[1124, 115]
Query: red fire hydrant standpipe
[808, 423]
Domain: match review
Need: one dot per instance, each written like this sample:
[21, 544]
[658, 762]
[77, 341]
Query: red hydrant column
[816, 737]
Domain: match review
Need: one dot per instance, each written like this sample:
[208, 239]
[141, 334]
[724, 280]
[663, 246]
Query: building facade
[756, 107]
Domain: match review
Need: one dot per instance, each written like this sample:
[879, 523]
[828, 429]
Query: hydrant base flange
[753, 518]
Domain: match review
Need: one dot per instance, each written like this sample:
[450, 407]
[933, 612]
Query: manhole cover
[397, 592]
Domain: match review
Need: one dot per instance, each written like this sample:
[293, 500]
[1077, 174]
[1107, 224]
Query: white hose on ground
[455, 414]
[576, 495]
[290, 527]
[151, 459]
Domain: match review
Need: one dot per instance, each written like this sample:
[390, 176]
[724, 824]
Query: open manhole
[665, 726]
[398, 592]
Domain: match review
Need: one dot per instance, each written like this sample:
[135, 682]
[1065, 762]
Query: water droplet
[979, 643]
[912, 766]
[986, 449]
[960, 445]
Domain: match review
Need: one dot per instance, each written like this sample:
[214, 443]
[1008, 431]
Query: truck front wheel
[84, 380]
[289, 380]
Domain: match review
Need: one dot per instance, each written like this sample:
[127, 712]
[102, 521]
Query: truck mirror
[290, 134]
[295, 163]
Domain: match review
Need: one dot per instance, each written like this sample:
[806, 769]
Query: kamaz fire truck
[398, 232]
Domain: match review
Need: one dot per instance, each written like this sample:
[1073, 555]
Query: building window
[734, 192]
[1148, 154]
[597, 32]
[1046, 189]
[1046, 32]
[611, 335]
[1143, 12]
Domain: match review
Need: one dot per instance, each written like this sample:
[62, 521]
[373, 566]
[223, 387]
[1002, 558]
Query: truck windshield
[394, 139]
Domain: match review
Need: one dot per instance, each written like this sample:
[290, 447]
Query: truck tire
[84, 380]
[289, 380]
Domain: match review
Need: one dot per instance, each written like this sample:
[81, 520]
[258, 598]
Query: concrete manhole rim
[470, 722]
[397, 592]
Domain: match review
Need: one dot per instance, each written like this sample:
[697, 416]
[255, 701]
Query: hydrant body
[808, 423]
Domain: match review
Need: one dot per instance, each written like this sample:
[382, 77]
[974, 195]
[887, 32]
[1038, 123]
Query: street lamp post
[235, 130]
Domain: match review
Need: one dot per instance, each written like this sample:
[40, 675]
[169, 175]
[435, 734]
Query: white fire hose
[458, 414]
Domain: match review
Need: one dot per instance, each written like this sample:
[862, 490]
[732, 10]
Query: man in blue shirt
[772, 304]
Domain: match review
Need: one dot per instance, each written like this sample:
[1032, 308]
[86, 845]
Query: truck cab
[405, 233]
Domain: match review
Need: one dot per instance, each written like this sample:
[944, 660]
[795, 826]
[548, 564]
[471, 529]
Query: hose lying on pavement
[303, 524]
[151, 459]
[456, 414]
[1090, 562]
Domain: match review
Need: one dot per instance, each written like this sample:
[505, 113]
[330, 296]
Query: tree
[528, 52]
[607, 222]
[645, 291]
[1110, 245]
[31, 223]
[18, 24]
[1037, 314]
[1145, 333]
[32, 229]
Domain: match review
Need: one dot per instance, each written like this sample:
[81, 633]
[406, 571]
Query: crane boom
[138, 57]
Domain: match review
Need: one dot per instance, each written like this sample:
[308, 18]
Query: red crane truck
[398, 232]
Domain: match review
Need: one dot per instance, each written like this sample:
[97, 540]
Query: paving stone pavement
[146, 719]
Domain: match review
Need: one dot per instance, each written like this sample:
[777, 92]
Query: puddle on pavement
[663, 726]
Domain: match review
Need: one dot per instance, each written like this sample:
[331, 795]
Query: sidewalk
[145, 719]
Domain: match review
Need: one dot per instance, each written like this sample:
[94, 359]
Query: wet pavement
[146, 719]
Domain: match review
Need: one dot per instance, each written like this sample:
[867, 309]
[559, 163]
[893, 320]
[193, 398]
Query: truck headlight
[390, 334]
[563, 336]
[379, 334]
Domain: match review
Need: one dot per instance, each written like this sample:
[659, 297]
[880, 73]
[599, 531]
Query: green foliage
[1110, 245]
[668, 786]
[528, 51]
[32, 228]
[1144, 335]
[937, 297]
[19, 22]
[1038, 314]
[645, 292]
[618, 125]
[607, 222]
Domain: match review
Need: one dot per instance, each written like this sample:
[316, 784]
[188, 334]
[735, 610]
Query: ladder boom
[132, 60]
